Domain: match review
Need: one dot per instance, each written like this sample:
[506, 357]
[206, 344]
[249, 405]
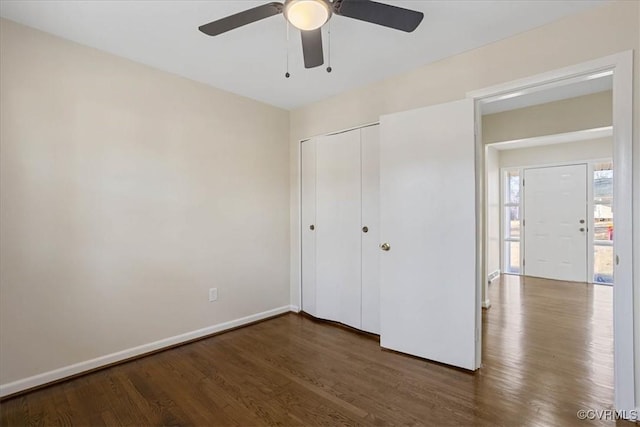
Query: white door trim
[558, 138]
[622, 66]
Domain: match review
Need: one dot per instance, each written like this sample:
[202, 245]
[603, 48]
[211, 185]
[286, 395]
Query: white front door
[555, 222]
[428, 296]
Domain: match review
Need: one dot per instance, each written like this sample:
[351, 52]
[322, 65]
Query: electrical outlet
[213, 294]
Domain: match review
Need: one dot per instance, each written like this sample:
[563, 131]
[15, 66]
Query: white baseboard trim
[486, 303]
[294, 308]
[88, 365]
[493, 276]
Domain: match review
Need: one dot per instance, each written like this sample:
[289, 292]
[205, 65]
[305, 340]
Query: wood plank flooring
[547, 353]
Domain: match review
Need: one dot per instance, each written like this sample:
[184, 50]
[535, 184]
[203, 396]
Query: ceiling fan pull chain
[287, 75]
[329, 69]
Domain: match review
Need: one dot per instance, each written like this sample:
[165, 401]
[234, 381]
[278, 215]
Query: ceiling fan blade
[312, 48]
[379, 13]
[243, 18]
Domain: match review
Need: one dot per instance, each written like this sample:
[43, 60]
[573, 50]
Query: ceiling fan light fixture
[307, 15]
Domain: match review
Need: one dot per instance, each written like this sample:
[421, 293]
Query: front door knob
[312, 227]
[582, 221]
[385, 246]
[365, 229]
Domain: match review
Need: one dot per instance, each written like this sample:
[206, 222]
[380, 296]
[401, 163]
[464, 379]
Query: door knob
[365, 229]
[582, 221]
[582, 229]
[312, 227]
[385, 246]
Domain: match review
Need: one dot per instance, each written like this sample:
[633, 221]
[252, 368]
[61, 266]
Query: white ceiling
[250, 61]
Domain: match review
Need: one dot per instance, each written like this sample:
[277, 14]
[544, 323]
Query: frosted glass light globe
[307, 15]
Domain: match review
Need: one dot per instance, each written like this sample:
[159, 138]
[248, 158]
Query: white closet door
[338, 234]
[308, 208]
[427, 192]
[370, 149]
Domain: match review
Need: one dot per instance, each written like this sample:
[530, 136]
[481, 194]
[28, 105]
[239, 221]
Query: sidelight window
[511, 221]
[603, 231]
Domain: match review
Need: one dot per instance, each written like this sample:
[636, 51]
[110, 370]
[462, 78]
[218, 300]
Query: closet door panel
[308, 212]
[338, 240]
[428, 300]
[370, 153]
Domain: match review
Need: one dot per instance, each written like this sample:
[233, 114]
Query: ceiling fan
[310, 15]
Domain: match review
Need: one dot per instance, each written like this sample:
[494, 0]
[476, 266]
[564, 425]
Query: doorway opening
[548, 163]
[620, 68]
[549, 172]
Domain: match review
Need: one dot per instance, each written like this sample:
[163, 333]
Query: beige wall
[569, 115]
[605, 30]
[126, 193]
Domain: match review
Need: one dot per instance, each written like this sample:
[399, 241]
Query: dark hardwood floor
[547, 353]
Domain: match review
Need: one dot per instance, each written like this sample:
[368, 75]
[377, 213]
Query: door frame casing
[623, 299]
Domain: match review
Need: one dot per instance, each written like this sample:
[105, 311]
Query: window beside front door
[603, 222]
[511, 221]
